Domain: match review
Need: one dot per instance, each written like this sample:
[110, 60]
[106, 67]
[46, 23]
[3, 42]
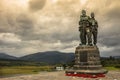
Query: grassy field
[23, 70]
[112, 68]
[13, 70]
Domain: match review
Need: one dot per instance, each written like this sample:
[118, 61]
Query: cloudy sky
[30, 26]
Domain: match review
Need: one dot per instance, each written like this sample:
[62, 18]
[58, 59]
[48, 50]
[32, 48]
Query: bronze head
[92, 15]
[83, 12]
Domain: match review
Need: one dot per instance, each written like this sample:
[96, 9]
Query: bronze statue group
[88, 29]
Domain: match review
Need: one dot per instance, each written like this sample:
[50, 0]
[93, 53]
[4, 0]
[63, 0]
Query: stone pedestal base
[87, 63]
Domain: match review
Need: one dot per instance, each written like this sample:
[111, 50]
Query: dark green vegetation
[111, 63]
[9, 62]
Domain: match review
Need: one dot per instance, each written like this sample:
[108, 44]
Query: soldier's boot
[90, 44]
[95, 43]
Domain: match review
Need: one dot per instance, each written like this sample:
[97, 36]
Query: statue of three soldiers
[88, 28]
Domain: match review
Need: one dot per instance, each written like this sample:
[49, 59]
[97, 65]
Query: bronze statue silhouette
[94, 27]
[88, 27]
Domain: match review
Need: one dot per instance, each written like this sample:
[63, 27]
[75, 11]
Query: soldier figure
[94, 26]
[85, 30]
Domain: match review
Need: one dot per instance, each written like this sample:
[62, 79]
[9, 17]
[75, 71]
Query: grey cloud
[36, 5]
[114, 13]
[110, 40]
[20, 24]
[115, 52]
[25, 25]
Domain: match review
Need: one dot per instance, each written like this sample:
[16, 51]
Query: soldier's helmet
[92, 14]
[83, 12]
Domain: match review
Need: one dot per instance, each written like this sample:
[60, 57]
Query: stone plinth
[87, 62]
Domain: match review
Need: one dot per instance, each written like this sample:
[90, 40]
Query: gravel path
[112, 75]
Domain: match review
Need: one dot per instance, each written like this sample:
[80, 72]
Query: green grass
[112, 68]
[23, 70]
[13, 70]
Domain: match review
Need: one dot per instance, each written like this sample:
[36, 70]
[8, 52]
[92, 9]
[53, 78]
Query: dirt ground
[59, 75]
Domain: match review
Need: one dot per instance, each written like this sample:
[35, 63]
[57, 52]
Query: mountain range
[6, 56]
[50, 57]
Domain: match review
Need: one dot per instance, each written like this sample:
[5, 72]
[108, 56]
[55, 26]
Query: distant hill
[117, 57]
[111, 57]
[50, 57]
[6, 56]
